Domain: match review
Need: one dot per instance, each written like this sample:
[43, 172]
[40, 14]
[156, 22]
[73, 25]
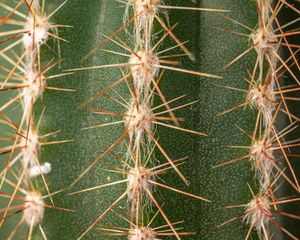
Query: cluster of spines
[145, 67]
[266, 95]
[142, 76]
[28, 79]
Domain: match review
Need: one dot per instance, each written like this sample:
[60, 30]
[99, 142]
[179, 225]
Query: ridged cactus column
[26, 75]
[169, 119]
[268, 93]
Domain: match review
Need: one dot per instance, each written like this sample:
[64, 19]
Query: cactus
[119, 121]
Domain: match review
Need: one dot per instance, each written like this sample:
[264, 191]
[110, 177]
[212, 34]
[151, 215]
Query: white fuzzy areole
[144, 69]
[138, 181]
[34, 208]
[258, 212]
[137, 120]
[262, 98]
[262, 158]
[146, 11]
[31, 150]
[143, 233]
[36, 32]
[33, 90]
[146, 7]
[264, 41]
[36, 171]
[30, 155]
[139, 117]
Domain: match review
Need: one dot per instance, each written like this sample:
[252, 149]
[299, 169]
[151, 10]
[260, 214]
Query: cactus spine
[267, 150]
[27, 77]
[123, 169]
[145, 67]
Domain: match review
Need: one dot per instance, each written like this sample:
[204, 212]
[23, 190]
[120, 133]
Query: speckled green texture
[213, 49]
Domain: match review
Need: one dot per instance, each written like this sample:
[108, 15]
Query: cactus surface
[149, 119]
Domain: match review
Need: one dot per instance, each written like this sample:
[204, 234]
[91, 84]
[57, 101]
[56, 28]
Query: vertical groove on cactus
[175, 118]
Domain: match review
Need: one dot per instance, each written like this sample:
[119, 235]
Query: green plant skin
[213, 49]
